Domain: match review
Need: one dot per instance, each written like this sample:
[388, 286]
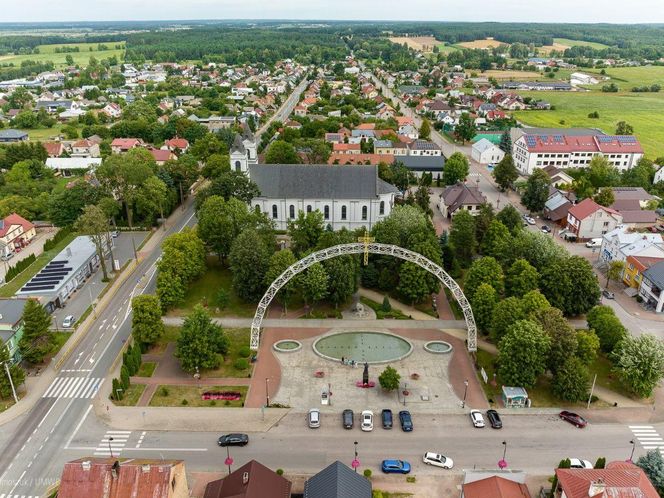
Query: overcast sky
[613, 11]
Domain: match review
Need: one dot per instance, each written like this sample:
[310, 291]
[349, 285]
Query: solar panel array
[531, 141]
[49, 277]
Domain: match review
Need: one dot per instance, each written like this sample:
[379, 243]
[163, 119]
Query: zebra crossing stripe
[73, 387]
[17, 496]
[106, 446]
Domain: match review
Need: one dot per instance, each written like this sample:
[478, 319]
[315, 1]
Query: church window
[309, 208]
[382, 208]
[327, 212]
[291, 212]
[364, 212]
[343, 212]
[274, 211]
[238, 166]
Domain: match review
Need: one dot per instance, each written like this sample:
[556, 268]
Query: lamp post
[267, 393]
[465, 392]
[503, 463]
[229, 460]
[633, 443]
[355, 463]
[110, 450]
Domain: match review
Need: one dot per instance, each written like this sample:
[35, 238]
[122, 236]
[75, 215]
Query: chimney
[145, 468]
[245, 478]
[69, 251]
[115, 469]
[597, 487]
[86, 465]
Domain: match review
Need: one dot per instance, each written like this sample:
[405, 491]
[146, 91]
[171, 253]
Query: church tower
[244, 151]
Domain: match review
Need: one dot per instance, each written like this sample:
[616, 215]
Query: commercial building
[652, 287]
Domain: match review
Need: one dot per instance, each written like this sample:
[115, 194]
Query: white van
[594, 243]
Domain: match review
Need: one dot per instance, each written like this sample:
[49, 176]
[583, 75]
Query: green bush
[245, 352]
[163, 391]
[241, 364]
[367, 473]
[184, 402]
[51, 243]
[13, 271]
[280, 472]
[124, 377]
[410, 479]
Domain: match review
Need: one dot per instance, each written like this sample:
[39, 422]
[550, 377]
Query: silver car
[314, 418]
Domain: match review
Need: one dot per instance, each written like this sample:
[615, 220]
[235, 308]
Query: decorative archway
[359, 248]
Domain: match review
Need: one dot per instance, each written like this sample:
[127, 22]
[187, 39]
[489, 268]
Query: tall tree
[483, 302]
[522, 354]
[279, 262]
[624, 128]
[456, 169]
[281, 152]
[537, 191]
[484, 270]
[200, 342]
[221, 221]
[652, 464]
[564, 339]
[506, 142]
[505, 314]
[305, 230]
[249, 261]
[147, 326]
[639, 361]
[229, 184]
[483, 220]
[587, 346]
[342, 274]
[466, 129]
[36, 341]
[571, 285]
[607, 326]
[601, 173]
[313, 284]
[571, 380]
[497, 242]
[425, 130]
[511, 218]
[152, 199]
[93, 222]
[521, 278]
[604, 197]
[462, 236]
[505, 173]
[16, 373]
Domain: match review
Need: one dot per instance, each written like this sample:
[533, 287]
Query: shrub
[163, 391]
[386, 307]
[367, 473]
[410, 479]
[280, 472]
[600, 463]
[245, 352]
[184, 402]
[13, 271]
[213, 403]
[241, 364]
[51, 243]
[124, 377]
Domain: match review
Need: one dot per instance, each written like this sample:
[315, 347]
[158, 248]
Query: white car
[529, 220]
[577, 463]
[431, 458]
[367, 420]
[314, 418]
[477, 418]
[68, 321]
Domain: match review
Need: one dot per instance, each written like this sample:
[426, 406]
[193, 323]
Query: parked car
[7, 257]
[347, 419]
[476, 418]
[367, 421]
[386, 416]
[115, 233]
[233, 440]
[68, 321]
[494, 419]
[608, 294]
[431, 458]
[573, 418]
[577, 463]
[406, 421]
[395, 467]
[546, 229]
[594, 243]
[314, 418]
[529, 220]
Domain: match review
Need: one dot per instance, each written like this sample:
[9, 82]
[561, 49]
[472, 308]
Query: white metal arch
[359, 248]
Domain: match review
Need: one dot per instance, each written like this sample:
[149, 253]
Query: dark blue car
[406, 421]
[395, 467]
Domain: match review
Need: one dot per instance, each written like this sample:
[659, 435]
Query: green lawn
[9, 289]
[606, 378]
[580, 43]
[644, 111]
[59, 340]
[131, 395]
[146, 369]
[192, 395]
[239, 339]
[47, 53]
[205, 289]
[380, 314]
[444, 48]
[171, 334]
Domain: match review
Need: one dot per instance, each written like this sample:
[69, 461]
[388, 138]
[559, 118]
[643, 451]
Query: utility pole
[11, 381]
[591, 392]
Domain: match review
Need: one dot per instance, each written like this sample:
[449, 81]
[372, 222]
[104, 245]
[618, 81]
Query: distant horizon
[507, 11]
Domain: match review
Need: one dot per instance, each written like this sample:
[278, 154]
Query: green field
[580, 43]
[446, 49]
[644, 111]
[47, 53]
[627, 77]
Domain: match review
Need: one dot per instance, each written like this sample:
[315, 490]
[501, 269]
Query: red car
[573, 418]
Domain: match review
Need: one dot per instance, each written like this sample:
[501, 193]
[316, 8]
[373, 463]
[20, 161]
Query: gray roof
[461, 194]
[656, 274]
[337, 481]
[238, 146]
[318, 181]
[11, 311]
[11, 133]
[631, 193]
[422, 163]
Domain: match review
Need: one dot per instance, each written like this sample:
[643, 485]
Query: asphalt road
[285, 109]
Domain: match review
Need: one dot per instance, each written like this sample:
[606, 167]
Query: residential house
[334, 138]
[120, 145]
[177, 144]
[460, 196]
[252, 480]
[424, 148]
[558, 176]
[66, 166]
[419, 165]
[85, 148]
[295, 125]
[494, 484]
[337, 481]
[15, 233]
[162, 155]
[634, 268]
[341, 148]
[52, 106]
[557, 206]
[10, 135]
[617, 479]
[588, 220]
[485, 152]
[54, 149]
[409, 130]
[620, 243]
[112, 110]
[348, 197]
[11, 326]
[123, 478]
[634, 194]
[659, 175]
[652, 286]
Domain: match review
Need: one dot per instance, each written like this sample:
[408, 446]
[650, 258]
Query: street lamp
[465, 392]
[110, 450]
[502, 463]
[355, 463]
[633, 443]
[229, 460]
[267, 393]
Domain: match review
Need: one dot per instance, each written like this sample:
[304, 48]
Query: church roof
[238, 146]
[247, 134]
[318, 181]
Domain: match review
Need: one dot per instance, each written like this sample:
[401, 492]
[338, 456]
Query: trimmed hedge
[51, 243]
[13, 271]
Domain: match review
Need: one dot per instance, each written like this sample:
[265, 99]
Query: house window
[238, 166]
[309, 209]
[291, 211]
[364, 212]
[274, 211]
[326, 212]
[382, 208]
[343, 212]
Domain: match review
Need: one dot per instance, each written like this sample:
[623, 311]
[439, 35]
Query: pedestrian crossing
[18, 496]
[73, 387]
[648, 437]
[112, 443]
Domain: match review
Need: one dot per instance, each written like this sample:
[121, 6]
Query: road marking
[73, 387]
[648, 437]
[80, 423]
[140, 440]
[106, 446]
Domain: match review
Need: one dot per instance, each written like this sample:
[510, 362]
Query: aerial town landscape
[331, 258]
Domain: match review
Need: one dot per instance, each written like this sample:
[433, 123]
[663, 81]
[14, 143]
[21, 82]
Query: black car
[406, 421]
[347, 419]
[233, 440]
[494, 419]
[386, 416]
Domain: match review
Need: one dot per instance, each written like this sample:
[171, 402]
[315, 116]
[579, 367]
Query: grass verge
[169, 395]
[147, 369]
[380, 313]
[131, 395]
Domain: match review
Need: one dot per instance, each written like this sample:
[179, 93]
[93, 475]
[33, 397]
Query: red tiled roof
[177, 143]
[621, 480]
[161, 155]
[495, 487]
[83, 143]
[53, 149]
[345, 147]
[14, 219]
[587, 207]
[621, 144]
[642, 263]
[260, 482]
[366, 126]
[125, 143]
